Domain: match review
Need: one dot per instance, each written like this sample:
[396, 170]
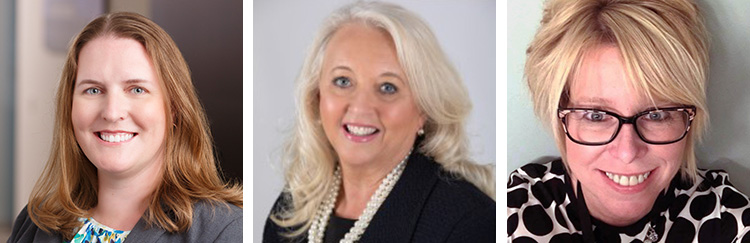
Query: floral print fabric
[94, 232]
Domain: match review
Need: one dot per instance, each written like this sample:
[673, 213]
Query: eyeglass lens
[660, 126]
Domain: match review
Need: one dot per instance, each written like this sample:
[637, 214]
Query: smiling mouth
[360, 130]
[625, 180]
[115, 137]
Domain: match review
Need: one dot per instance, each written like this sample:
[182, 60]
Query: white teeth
[360, 131]
[627, 180]
[116, 137]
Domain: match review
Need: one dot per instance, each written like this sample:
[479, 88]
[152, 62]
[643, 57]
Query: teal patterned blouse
[93, 232]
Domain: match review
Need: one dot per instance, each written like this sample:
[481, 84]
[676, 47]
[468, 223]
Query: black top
[425, 205]
[543, 208]
[336, 229]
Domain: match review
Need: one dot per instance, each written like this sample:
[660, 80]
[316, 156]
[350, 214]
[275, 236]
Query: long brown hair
[68, 186]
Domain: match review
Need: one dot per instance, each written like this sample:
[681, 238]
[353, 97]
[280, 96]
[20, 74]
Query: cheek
[580, 154]
[331, 109]
[82, 114]
[405, 117]
[672, 153]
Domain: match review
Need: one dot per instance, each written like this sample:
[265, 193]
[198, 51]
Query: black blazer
[425, 205]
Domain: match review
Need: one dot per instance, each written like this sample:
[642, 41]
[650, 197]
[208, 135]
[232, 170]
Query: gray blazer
[210, 224]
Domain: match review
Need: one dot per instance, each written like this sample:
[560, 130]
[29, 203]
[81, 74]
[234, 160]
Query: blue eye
[92, 91]
[658, 116]
[342, 82]
[138, 90]
[595, 116]
[388, 88]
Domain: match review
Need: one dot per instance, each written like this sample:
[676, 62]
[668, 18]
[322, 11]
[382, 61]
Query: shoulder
[714, 184]
[539, 206]
[712, 206]
[24, 230]
[545, 183]
[272, 232]
[213, 221]
[474, 212]
[219, 221]
[459, 209]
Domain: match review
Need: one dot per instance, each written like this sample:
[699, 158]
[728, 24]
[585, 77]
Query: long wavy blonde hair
[664, 45]
[440, 94]
[68, 186]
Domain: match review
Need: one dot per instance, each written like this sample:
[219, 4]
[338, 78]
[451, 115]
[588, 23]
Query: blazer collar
[396, 219]
[143, 233]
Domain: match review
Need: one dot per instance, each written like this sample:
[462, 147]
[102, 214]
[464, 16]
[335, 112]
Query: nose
[115, 108]
[627, 146]
[362, 102]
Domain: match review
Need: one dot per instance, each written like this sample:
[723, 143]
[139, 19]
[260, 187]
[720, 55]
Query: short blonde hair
[438, 90]
[664, 45]
[68, 186]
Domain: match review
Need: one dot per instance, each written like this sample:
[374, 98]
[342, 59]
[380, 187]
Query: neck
[123, 200]
[359, 182]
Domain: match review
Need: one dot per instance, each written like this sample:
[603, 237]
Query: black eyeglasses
[598, 127]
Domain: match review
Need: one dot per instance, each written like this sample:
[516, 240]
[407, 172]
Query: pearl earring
[420, 132]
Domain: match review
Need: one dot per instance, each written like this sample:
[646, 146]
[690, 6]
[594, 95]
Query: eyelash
[90, 91]
[337, 83]
[382, 86]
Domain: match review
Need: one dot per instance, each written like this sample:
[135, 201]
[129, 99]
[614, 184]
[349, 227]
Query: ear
[421, 121]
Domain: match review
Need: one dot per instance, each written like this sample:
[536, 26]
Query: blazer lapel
[142, 233]
[397, 217]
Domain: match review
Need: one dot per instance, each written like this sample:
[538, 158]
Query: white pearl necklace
[318, 227]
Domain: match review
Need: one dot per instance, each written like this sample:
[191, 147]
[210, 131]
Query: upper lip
[115, 131]
[628, 174]
[359, 125]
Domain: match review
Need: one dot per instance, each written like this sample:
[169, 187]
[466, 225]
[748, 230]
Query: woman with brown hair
[132, 152]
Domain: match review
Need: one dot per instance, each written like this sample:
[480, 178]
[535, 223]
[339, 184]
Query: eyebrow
[384, 74]
[95, 82]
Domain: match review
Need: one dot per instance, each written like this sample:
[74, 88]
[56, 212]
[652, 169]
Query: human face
[366, 107]
[602, 83]
[118, 110]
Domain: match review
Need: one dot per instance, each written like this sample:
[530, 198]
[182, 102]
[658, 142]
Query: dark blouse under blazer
[425, 205]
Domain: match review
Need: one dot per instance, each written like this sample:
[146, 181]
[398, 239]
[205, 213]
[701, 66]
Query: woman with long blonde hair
[379, 151]
[132, 154]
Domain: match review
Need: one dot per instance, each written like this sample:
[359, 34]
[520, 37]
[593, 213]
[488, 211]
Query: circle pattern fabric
[540, 209]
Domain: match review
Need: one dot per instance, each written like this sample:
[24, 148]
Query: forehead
[356, 41]
[109, 58]
[602, 80]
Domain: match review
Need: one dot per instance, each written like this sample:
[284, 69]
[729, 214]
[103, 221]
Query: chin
[354, 160]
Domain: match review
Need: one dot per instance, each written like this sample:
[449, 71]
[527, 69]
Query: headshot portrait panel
[283, 36]
[608, 120]
[138, 104]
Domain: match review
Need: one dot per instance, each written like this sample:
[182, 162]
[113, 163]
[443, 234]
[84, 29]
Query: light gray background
[282, 33]
[727, 144]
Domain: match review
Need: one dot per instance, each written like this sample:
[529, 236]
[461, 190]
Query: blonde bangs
[664, 46]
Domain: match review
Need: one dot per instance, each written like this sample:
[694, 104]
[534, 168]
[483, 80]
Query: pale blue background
[727, 144]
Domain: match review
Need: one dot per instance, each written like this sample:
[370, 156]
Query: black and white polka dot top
[543, 208]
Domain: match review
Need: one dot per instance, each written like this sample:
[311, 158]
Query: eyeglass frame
[562, 112]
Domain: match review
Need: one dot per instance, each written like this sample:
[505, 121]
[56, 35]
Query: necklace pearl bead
[317, 229]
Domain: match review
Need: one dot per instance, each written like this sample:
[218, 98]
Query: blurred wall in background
[6, 110]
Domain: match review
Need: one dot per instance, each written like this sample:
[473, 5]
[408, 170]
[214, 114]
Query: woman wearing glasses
[622, 85]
